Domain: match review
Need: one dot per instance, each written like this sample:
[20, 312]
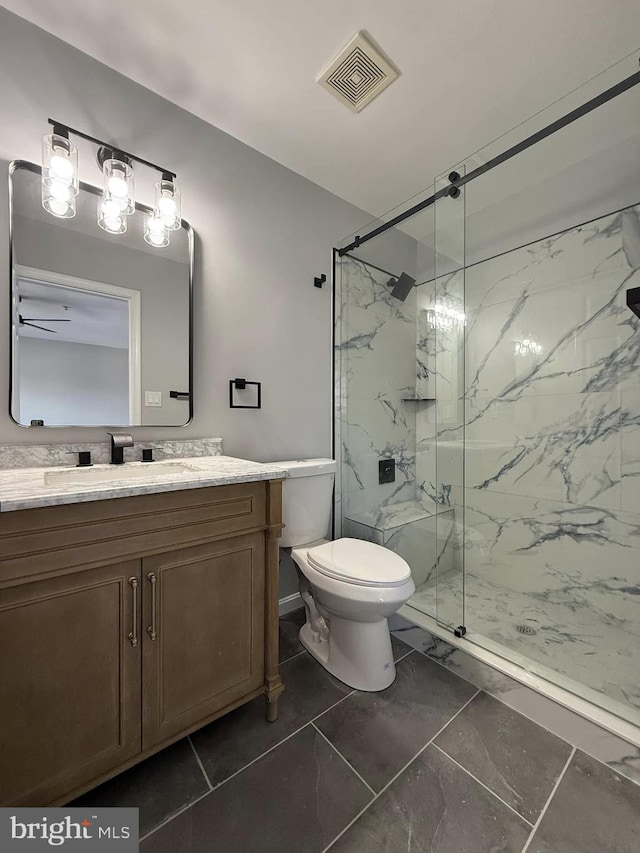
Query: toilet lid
[359, 562]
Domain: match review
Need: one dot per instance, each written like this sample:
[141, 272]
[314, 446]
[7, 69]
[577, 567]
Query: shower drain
[526, 629]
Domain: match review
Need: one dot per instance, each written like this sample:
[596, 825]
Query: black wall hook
[633, 300]
[318, 281]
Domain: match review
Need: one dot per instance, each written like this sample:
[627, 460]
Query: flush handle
[133, 636]
[153, 580]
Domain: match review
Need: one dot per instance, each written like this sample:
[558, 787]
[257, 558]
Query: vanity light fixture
[59, 173]
[118, 196]
[168, 205]
[111, 217]
[119, 185]
[60, 186]
[155, 230]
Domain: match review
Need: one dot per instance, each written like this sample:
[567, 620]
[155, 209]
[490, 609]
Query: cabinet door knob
[133, 636]
[151, 630]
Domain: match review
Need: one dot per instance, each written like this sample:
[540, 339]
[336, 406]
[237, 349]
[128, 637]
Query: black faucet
[119, 440]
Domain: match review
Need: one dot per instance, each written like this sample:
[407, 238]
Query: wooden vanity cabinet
[69, 682]
[204, 643]
[126, 624]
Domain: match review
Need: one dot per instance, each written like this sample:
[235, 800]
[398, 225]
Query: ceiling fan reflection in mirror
[33, 321]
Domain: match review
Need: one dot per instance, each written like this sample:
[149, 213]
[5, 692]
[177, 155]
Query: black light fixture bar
[64, 130]
[569, 118]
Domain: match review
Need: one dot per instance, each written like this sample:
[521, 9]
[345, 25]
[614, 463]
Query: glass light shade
[59, 163]
[119, 185]
[58, 199]
[156, 233]
[168, 204]
[111, 218]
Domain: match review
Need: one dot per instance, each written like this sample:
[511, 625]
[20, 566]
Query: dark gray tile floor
[378, 733]
[594, 810]
[431, 763]
[160, 786]
[290, 625]
[508, 753]
[435, 805]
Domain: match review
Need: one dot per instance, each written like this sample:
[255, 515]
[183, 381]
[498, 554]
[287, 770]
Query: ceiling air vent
[358, 74]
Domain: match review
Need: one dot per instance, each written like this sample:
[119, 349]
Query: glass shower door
[446, 319]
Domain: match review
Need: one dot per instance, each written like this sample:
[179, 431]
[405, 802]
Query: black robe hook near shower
[633, 300]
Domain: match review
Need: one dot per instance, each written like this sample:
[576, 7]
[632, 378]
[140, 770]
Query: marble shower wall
[376, 351]
[384, 356]
[552, 449]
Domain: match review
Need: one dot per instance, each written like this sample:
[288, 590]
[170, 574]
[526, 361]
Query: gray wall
[62, 382]
[263, 232]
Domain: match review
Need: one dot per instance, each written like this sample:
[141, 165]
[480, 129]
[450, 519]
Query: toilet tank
[306, 500]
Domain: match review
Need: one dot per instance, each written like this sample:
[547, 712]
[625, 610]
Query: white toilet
[350, 587]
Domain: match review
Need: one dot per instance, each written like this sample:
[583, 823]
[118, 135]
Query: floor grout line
[498, 698]
[529, 715]
[486, 787]
[349, 765]
[444, 666]
[174, 815]
[401, 771]
[633, 779]
[246, 766]
[405, 655]
[200, 764]
[548, 803]
[297, 655]
[284, 739]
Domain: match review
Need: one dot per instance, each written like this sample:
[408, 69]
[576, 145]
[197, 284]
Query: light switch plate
[153, 398]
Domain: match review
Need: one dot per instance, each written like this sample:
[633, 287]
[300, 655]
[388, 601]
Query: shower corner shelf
[418, 399]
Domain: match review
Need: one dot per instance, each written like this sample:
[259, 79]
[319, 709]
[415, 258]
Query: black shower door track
[459, 181]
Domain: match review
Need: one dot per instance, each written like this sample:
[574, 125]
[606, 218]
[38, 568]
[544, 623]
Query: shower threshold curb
[590, 711]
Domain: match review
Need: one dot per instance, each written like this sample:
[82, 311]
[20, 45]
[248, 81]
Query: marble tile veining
[545, 471]
[532, 446]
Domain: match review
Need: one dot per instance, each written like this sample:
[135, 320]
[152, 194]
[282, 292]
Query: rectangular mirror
[101, 322]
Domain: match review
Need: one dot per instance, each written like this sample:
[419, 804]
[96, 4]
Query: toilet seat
[358, 562]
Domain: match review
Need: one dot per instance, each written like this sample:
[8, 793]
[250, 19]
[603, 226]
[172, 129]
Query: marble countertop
[28, 488]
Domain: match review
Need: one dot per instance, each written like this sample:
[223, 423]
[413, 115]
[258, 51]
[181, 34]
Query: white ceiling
[73, 315]
[470, 70]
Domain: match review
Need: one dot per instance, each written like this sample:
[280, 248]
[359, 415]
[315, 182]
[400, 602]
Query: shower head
[401, 286]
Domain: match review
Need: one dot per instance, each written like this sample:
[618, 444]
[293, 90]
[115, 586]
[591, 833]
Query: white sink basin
[105, 474]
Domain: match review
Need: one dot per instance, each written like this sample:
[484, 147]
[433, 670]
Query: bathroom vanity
[132, 612]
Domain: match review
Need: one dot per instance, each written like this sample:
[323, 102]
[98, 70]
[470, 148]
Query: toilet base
[358, 653]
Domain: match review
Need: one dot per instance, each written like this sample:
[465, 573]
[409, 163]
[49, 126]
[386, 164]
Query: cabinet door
[203, 644]
[69, 681]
